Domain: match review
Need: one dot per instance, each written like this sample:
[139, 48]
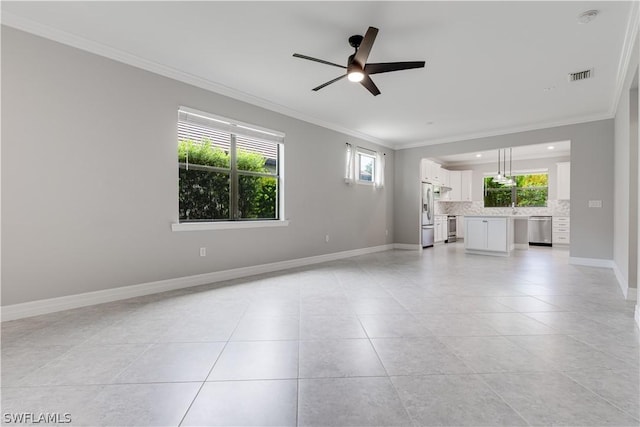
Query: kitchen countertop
[498, 216]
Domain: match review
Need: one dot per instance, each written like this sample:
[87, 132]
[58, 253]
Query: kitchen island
[490, 234]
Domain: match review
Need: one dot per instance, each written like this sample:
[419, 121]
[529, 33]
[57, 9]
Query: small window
[528, 190]
[366, 167]
[228, 171]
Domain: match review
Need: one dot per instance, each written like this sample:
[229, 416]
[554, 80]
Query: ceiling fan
[357, 68]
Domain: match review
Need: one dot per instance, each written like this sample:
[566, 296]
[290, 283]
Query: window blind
[197, 118]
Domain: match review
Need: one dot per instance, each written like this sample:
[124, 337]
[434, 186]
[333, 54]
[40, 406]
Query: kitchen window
[530, 190]
[227, 170]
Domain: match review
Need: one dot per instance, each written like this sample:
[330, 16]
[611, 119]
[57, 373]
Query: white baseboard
[407, 247]
[591, 262]
[51, 305]
[629, 293]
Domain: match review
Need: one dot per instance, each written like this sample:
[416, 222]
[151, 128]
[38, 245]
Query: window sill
[226, 225]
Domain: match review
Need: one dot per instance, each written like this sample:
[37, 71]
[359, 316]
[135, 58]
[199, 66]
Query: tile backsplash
[554, 208]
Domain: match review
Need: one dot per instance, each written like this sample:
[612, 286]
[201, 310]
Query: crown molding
[627, 54]
[32, 27]
[63, 37]
[508, 131]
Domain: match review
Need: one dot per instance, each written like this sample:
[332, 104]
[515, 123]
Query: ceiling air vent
[581, 75]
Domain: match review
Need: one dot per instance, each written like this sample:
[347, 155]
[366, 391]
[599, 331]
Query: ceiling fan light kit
[357, 68]
[355, 76]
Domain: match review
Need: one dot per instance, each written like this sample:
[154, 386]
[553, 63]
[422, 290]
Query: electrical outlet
[203, 251]
[595, 203]
[326, 238]
[386, 232]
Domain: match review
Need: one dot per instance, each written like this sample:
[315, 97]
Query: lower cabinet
[497, 234]
[560, 233]
[440, 228]
[475, 233]
[460, 227]
[487, 234]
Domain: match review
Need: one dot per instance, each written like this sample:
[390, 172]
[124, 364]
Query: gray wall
[621, 190]
[625, 238]
[625, 248]
[591, 179]
[89, 179]
[633, 185]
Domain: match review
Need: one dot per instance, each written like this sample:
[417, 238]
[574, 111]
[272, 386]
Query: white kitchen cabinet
[560, 230]
[466, 179]
[497, 234]
[460, 227]
[444, 178]
[455, 182]
[489, 235]
[563, 181]
[460, 183]
[430, 171]
[424, 170]
[475, 233]
[435, 173]
[440, 228]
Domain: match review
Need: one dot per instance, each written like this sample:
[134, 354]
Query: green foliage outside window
[530, 191]
[202, 153]
[204, 188]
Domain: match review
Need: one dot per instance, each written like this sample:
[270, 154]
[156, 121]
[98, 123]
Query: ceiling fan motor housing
[355, 41]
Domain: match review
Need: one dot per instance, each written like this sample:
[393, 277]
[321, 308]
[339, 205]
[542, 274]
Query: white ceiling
[488, 63]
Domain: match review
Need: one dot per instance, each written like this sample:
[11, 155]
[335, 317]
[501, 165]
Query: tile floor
[393, 338]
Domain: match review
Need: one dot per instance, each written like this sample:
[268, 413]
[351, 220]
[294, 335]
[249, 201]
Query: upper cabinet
[444, 177]
[455, 179]
[460, 183]
[563, 181]
[466, 181]
[430, 172]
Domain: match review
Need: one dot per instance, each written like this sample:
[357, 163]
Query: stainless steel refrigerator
[427, 215]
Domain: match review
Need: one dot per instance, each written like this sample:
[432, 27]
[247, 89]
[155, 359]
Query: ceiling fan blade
[370, 85]
[297, 55]
[365, 47]
[385, 67]
[329, 82]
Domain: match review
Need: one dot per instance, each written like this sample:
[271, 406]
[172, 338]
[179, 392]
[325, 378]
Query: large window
[529, 190]
[228, 171]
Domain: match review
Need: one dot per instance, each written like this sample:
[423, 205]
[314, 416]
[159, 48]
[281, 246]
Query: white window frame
[544, 171]
[370, 154]
[236, 127]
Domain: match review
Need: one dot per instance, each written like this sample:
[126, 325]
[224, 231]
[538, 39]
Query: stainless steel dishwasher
[540, 230]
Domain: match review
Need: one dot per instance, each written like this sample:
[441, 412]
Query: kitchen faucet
[513, 208]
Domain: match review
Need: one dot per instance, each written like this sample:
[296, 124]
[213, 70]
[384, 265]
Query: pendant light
[511, 182]
[498, 177]
[504, 180]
